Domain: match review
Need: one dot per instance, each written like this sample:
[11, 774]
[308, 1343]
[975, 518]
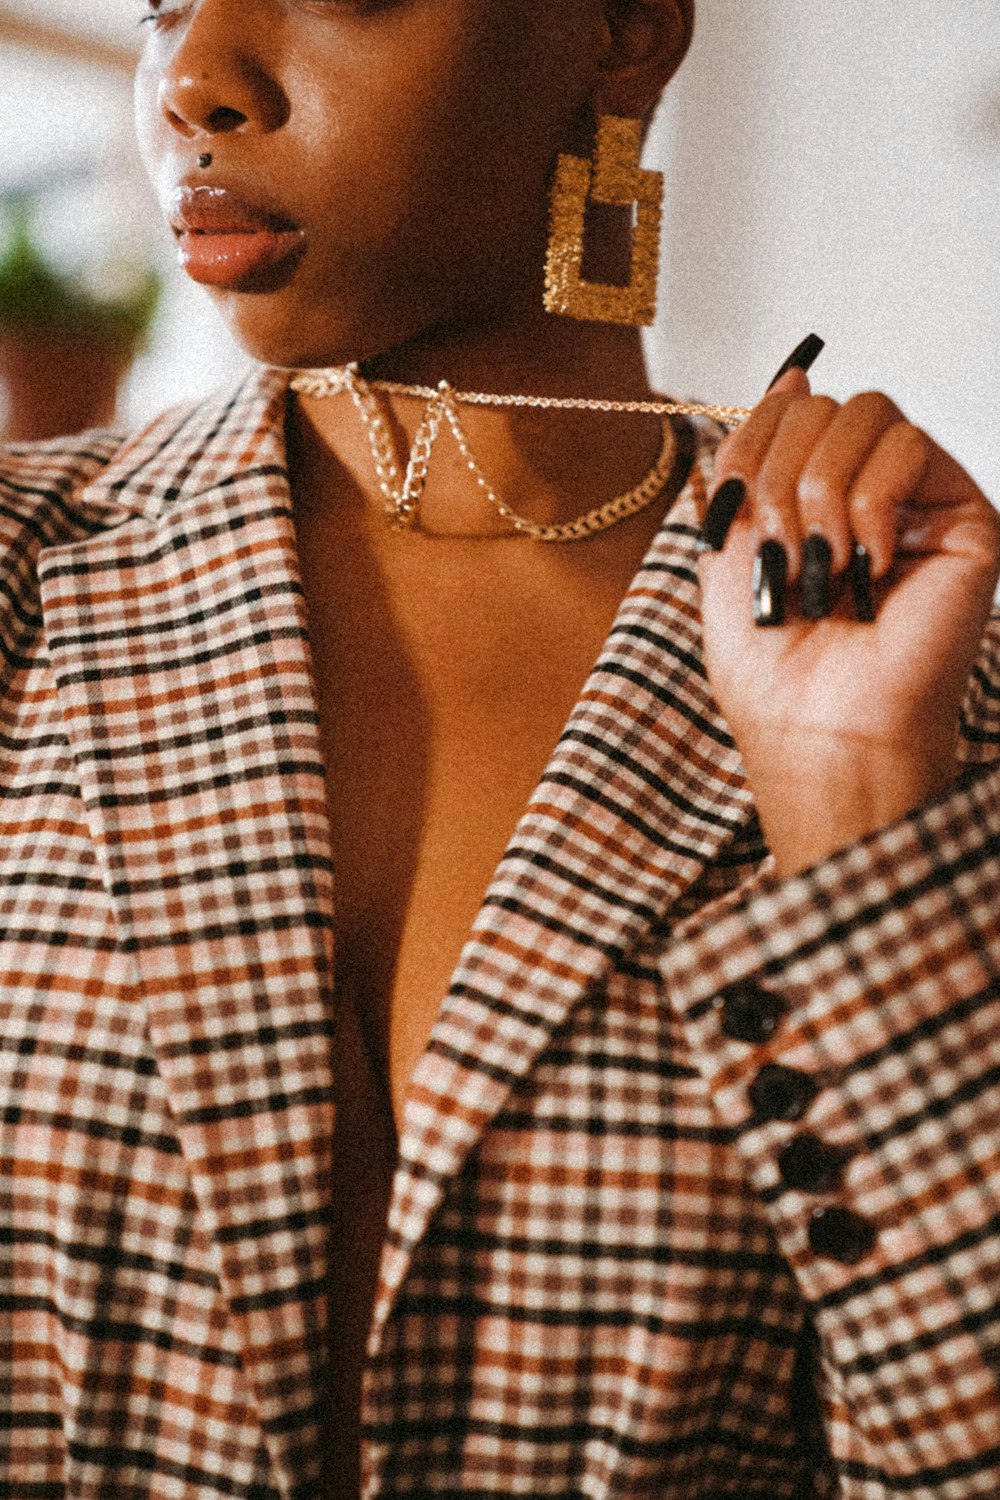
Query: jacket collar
[197, 448]
[179, 645]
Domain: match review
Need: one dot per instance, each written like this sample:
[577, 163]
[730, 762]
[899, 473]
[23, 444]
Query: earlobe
[648, 42]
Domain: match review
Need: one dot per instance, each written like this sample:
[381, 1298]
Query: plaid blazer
[699, 1186]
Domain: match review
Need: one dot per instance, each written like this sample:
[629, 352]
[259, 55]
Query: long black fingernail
[770, 570]
[814, 585]
[722, 512]
[859, 573]
[802, 356]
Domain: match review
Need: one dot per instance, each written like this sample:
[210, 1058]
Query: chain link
[593, 521]
[402, 498]
[330, 382]
[419, 462]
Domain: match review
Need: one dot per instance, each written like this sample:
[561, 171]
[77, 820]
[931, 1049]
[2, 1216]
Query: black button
[805, 1163]
[837, 1234]
[750, 1014]
[779, 1093]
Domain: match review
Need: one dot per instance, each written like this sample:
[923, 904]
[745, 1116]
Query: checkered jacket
[699, 1185]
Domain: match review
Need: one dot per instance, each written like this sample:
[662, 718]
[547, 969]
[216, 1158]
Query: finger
[940, 531]
[888, 479]
[826, 481]
[948, 515]
[737, 462]
[729, 487]
[776, 503]
[945, 482]
[793, 381]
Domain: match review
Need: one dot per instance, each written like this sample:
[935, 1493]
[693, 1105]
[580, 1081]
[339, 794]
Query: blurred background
[829, 167]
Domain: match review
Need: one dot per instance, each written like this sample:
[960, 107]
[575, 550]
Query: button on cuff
[779, 1093]
[750, 1013]
[837, 1234]
[808, 1165]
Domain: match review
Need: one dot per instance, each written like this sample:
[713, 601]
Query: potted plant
[64, 347]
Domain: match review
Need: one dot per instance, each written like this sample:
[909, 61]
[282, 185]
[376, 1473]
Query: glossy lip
[227, 241]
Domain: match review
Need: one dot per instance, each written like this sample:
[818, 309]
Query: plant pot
[58, 383]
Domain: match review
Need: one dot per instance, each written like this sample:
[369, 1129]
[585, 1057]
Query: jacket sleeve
[847, 1021]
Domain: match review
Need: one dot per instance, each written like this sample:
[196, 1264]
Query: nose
[215, 83]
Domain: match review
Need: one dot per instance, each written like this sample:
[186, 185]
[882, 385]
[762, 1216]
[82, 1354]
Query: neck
[548, 465]
[545, 356]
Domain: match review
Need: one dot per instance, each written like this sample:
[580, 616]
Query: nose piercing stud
[205, 159]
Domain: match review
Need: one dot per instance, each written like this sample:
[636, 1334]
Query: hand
[844, 725]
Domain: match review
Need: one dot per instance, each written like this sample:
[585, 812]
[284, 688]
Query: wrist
[811, 804]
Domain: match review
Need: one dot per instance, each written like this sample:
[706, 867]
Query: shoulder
[70, 488]
[42, 494]
[56, 467]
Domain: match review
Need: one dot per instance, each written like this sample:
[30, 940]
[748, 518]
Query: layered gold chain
[402, 493]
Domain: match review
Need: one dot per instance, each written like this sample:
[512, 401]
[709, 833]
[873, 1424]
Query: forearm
[822, 793]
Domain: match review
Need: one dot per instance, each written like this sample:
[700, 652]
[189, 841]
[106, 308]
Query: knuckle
[992, 520]
[773, 513]
[873, 406]
[913, 438]
[825, 406]
[819, 492]
[868, 502]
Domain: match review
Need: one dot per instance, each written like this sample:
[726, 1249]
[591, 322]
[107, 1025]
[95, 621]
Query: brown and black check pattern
[597, 1281]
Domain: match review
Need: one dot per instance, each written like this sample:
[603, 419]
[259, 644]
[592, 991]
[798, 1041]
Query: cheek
[453, 128]
[437, 182]
[378, 185]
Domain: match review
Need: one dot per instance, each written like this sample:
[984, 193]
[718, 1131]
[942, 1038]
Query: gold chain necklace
[402, 494]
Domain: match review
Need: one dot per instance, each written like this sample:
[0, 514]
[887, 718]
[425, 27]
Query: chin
[296, 334]
[285, 348]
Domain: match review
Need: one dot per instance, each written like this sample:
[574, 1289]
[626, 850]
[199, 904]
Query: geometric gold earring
[617, 178]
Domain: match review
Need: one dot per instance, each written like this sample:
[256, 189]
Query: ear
[646, 44]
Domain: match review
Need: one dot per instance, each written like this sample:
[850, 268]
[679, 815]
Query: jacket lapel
[643, 790]
[178, 643]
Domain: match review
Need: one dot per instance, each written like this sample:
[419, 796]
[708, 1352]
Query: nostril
[225, 119]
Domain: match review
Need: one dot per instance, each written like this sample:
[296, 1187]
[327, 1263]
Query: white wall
[837, 167]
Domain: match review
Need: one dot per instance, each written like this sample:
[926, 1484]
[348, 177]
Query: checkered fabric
[699, 1185]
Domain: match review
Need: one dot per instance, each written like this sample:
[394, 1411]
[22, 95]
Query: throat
[456, 464]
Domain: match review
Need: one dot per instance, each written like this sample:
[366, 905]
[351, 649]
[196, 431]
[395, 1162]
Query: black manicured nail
[802, 356]
[814, 585]
[770, 570]
[722, 512]
[859, 572]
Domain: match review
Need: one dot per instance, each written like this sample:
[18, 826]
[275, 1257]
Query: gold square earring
[617, 178]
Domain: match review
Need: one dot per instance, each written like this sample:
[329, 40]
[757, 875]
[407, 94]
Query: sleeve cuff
[844, 1020]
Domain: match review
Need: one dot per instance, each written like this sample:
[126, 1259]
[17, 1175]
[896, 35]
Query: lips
[226, 241]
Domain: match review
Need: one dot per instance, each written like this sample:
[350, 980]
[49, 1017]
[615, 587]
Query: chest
[444, 677]
[445, 674]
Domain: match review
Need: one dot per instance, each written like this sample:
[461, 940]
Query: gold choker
[402, 495]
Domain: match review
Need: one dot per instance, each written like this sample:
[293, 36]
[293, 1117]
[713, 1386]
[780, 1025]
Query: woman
[691, 1180]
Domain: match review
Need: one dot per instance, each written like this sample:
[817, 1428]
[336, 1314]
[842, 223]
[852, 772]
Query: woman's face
[391, 156]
